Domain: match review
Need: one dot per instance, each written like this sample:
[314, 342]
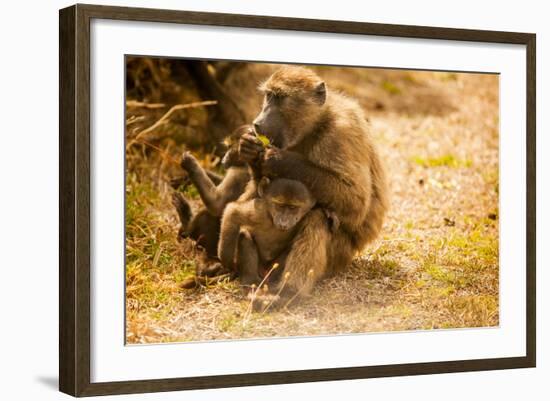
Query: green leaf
[264, 139]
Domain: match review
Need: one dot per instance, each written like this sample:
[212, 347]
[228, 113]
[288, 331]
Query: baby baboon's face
[293, 99]
[288, 201]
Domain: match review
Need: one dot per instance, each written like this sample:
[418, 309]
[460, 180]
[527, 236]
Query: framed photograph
[250, 200]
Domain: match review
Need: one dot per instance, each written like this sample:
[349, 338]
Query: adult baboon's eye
[278, 97]
[273, 97]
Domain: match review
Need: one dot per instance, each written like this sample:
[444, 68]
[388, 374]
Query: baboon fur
[268, 222]
[322, 139]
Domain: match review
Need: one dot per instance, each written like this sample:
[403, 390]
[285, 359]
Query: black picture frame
[74, 199]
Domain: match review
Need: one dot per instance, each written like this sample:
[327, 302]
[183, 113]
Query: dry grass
[435, 265]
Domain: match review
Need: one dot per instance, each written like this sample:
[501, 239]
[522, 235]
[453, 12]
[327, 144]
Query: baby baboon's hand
[333, 220]
[188, 161]
[250, 148]
[271, 161]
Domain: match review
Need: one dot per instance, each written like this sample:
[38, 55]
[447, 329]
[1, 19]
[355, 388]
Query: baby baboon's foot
[188, 161]
[250, 279]
[332, 219]
[204, 281]
[262, 300]
[214, 269]
[181, 205]
[190, 283]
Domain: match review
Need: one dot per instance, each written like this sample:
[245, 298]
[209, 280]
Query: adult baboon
[321, 139]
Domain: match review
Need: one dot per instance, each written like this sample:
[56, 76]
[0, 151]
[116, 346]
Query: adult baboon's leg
[307, 260]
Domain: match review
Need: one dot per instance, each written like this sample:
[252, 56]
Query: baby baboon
[321, 139]
[255, 232]
[216, 192]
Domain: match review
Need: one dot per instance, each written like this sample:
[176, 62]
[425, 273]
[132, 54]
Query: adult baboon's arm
[327, 186]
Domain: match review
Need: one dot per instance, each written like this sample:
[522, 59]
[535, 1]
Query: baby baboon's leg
[229, 232]
[184, 180]
[214, 177]
[212, 199]
[184, 213]
[247, 259]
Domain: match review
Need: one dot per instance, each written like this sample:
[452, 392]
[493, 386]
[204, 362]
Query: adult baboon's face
[293, 100]
[271, 121]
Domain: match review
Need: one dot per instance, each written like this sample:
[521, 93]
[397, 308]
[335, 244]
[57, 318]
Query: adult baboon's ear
[321, 93]
[262, 186]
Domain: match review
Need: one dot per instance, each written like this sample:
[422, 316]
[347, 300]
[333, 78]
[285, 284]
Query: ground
[435, 264]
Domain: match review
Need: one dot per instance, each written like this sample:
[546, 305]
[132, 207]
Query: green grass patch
[477, 243]
[442, 161]
[448, 280]
[390, 88]
[191, 192]
[186, 271]
[384, 267]
[447, 76]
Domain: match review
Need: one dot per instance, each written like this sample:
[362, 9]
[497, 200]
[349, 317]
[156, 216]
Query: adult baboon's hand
[250, 148]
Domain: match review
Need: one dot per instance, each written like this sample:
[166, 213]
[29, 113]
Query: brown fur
[255, 232]
[325, 144]
[216, 193]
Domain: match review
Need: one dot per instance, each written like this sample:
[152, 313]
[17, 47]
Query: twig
[277, 295]
[275, 265]
[165, 155]
[135, 103]
[309, 273]
[253, 296]
[134, 119]
[167, 115]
